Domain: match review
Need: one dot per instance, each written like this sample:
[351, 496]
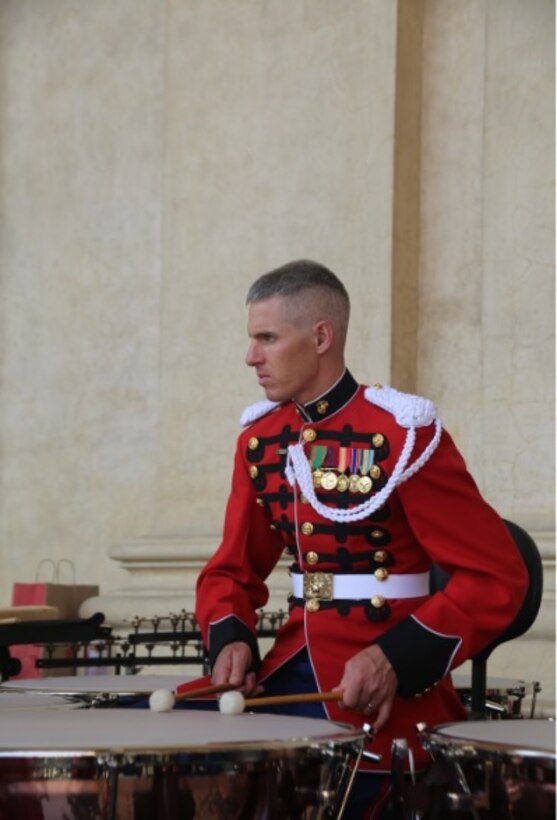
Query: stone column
[485, 345]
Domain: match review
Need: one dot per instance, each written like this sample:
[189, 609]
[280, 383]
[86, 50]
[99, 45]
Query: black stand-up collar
[332, 400]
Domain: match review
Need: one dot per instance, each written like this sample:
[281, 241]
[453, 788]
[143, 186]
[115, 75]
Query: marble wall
[81, 107]
[153, 164]
[155, 158]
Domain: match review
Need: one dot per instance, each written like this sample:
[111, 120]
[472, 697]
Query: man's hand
[369, 685]
[232, 665]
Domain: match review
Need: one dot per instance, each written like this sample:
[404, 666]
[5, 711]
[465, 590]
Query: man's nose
[252, 355]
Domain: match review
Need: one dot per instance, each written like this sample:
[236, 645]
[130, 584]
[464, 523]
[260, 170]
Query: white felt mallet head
[231, 703]
[161, 700]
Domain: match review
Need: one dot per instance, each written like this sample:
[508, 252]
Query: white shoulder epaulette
[408, 410]
[257, 411]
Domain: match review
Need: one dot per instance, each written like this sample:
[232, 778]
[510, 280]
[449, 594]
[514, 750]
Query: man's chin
[273, 395]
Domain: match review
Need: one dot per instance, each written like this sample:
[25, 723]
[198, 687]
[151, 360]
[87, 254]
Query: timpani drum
[505, 697]
[498, 770]
[129, 764]
[97, 691]
[24, 702]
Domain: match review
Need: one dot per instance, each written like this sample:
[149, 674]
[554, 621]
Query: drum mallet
[163, 700]
[234, 703]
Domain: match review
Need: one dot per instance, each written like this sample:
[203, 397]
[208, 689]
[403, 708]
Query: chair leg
[479, 688]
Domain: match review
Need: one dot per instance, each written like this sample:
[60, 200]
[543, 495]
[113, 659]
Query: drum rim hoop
[439, 737]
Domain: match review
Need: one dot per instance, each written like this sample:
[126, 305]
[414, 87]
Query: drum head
[505, 738]
[493, 683]
[137, 732]
[24, 702]
[90, 686]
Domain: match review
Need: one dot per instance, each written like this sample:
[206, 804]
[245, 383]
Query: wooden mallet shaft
[204, 691]
[306, 697]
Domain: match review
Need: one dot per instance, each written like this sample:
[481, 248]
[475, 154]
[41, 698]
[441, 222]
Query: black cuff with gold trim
[419, 657]
[227, 631]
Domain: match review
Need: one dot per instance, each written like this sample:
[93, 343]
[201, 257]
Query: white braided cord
[298, 469]
[426, 455]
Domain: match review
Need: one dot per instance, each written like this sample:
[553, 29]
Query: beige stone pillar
[474, 241]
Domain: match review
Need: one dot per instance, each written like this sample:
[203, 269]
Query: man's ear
[324, 335]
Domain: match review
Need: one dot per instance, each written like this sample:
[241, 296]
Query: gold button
[309, 434]
[380, 556]
[375, 471]
[322, 407]
[378, 440]
[253, 471]
[272, 526]
[303, 499]
[377, 601]
[253, 443]
[312, 605]
[307, 528]
[381, 574]
[377, 534]
[312, 558]
[260, 502]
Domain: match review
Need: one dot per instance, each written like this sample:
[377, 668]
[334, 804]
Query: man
[366, 491]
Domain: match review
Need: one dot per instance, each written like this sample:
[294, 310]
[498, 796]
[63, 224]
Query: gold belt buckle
[318, 586]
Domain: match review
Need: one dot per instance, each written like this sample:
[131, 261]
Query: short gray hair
[304, 277]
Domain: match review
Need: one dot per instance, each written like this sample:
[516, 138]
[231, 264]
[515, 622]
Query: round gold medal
[317, 476]
[342, 483]
[353, 483]
[365, 484]
[329, 481]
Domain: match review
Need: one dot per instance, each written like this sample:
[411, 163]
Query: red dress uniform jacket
[435, 515]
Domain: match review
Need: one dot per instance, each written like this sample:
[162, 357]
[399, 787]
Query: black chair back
[521, 623]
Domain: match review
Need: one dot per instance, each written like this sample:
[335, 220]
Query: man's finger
[383, 713]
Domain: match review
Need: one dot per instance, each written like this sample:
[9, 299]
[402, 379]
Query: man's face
[283, 353]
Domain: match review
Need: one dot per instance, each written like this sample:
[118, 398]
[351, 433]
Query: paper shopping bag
[66, 597]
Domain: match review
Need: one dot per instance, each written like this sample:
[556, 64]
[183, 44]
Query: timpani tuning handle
[373, 757]
[369, 732]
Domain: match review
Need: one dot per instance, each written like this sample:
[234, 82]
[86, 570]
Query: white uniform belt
[328, 586]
